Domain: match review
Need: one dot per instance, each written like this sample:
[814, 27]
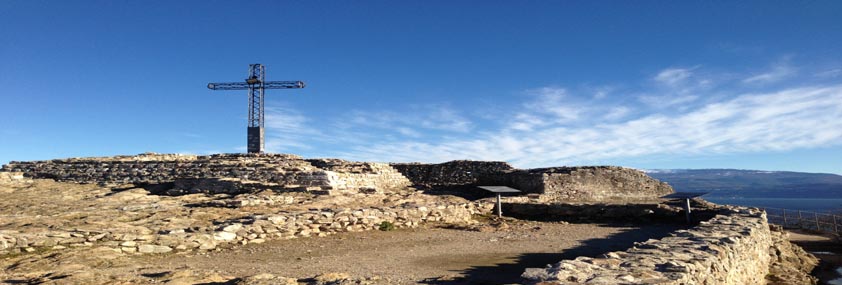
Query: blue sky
[644, 84]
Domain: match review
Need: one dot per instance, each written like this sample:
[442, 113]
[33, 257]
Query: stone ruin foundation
[732, 245]
[220, 173]
[242, 173]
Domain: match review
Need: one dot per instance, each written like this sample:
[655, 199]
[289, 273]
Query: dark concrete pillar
[255, 140]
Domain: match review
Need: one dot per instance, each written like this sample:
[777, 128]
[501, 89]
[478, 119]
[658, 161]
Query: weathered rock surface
[14, 179]
[790, 263]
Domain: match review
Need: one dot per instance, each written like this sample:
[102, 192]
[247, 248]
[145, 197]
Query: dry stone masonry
[557, 184]
[231, 173]
[735, 247]
[245, 173]
[453, 173]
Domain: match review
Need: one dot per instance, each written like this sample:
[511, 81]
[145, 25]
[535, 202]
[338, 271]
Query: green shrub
[387, 226]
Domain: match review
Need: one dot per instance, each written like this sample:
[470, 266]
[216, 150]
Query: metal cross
[255, 84]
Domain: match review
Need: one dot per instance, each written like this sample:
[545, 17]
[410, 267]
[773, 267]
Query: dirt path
[433, 256]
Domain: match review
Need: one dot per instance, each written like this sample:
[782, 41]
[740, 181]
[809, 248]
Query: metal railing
[788, 218]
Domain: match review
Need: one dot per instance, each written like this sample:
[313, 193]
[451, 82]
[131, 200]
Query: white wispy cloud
[555, 127]
[286, 120]
[831, 73]
[443, 118]
[676, 87]
[617, 112]
[287, 130]
[783, 120]
[602, 92]
[526, 122]
[553, 101]
[410, 122]
[666, 101]
[673, 76]
[408, 132]
[779, 71]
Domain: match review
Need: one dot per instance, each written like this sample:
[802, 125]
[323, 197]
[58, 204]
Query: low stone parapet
[257, 229]
[731, 248]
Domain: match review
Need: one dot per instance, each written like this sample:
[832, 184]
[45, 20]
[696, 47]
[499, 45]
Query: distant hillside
[752, 183]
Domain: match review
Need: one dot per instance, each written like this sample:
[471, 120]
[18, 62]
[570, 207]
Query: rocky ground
[828, 250]
[67, 233]
[48, 214]
[484, 255]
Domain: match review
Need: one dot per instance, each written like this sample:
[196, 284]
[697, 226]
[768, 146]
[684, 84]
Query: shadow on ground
[507, 273]
[828, 251]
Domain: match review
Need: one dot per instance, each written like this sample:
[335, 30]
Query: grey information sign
[686, 196]
[499, 190]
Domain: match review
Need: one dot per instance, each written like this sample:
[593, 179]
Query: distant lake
[805, 204]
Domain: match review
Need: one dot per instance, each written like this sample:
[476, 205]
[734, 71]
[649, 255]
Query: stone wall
[241, 173]
[598, 183]
[250, 171]
[557, 184]
[366, 176]
[453, 173]
[731, 248]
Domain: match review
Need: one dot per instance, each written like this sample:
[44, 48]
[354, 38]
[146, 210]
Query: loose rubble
[136, 222]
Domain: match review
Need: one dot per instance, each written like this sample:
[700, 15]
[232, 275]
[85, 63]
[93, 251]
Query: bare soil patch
[422, 255]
